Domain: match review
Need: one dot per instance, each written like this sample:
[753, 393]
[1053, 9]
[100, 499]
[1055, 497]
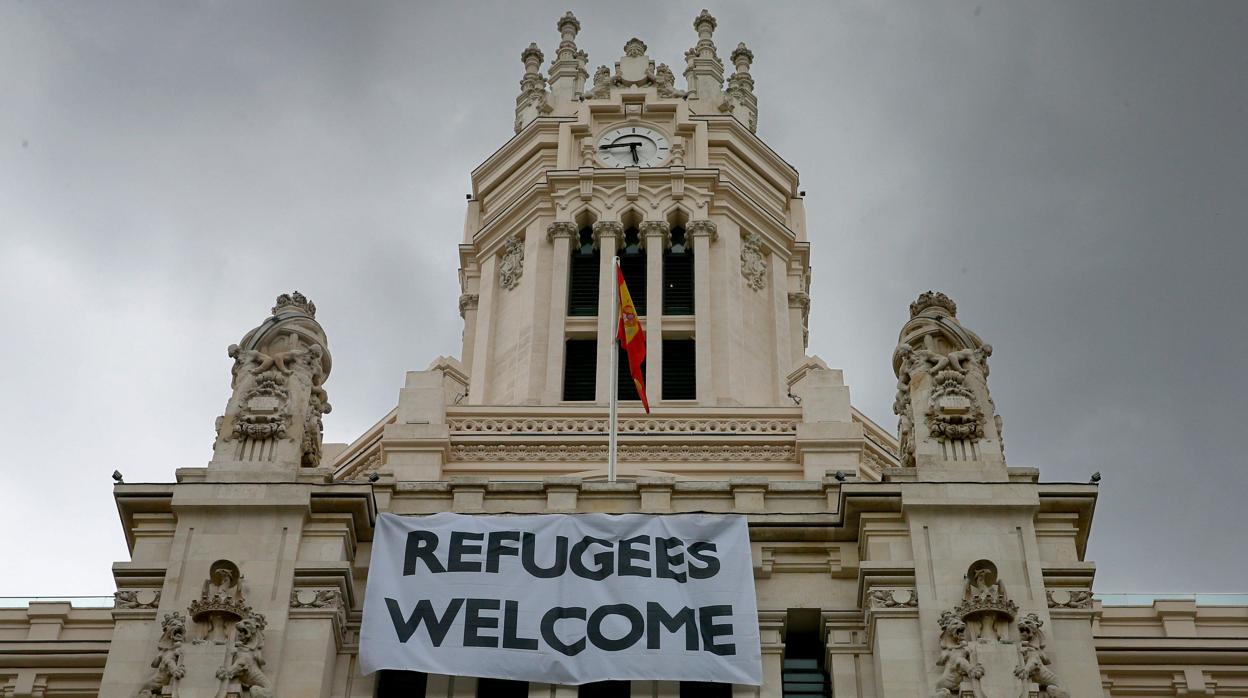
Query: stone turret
[739, 99]
[704, 71]
[273, 417]
[567, 70]
[948, 427]
[533, 100]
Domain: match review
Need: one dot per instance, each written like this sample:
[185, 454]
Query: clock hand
[618, 145]
[632, 148]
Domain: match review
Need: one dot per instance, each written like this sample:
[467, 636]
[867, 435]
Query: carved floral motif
[512, 266]
[129, 598]
[753, 266]
[894, 598]
[1062, 598]
[468, 301]
[557, 425]
[321, 598]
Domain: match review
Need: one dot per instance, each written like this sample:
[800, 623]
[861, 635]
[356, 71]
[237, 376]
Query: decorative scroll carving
[167, 666]
[129, 598]
[468, 301]
[753, 266]
[645, 453]
[557, 425]
[321, 598]
[1062, 598]
[1034, 661]
[894, 598]
[246, 663]
[957, 657]
[512, 266]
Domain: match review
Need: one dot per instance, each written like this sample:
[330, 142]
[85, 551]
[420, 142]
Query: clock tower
[710, 229]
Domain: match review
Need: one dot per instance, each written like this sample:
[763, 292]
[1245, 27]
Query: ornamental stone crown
[933, 299]
[295, 301]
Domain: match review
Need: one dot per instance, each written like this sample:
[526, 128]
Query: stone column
[703, 233]
[481, 354]
[607, 235]
[468, 311]
[799, 312]
[562, 236]
[656, 236]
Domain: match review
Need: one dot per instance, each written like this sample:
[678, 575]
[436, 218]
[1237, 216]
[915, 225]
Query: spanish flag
[632, 338]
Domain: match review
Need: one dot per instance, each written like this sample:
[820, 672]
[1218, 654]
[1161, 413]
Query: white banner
[564, 599]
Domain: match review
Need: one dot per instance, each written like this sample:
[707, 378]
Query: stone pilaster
[562, 236]
[656, 237]
[703, 233]
[607, 236]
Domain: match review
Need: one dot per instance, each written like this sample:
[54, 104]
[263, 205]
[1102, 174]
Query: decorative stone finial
[532, 58]
[933, 299]
[568, 26]
[742, 57]
[739, 99]
[705, 23]
[635, 47]
[567, 70]
[295, 301]
[533, 100]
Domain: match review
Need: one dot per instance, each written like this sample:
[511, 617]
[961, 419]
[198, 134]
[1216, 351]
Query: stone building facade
[887, 565]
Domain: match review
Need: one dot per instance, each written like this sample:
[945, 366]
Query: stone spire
[948, 427]
[739, 98]
[704, 71]
[567, 70]
[273, 417]
[534, 100]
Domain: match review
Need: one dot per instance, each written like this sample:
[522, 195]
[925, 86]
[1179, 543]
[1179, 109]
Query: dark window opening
[705, 689]
[680, 369]
[802, 673]
[678, 276]
[633, 264]
[502, 688]
[604, 689]
[583, 276]
[580, 369]
[624, 378]
[400, 684]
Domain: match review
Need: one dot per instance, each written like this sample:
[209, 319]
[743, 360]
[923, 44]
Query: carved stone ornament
[801, 300]
[1068, 598]
[246, 663]
[132, 598]
[602, 83]
[665, 82]
[511, 268]
[894, 598]
[468, 301]
[220, 605]
[702, 227]
[1034, 660]
[560, 229]
[320, 598]
[753, 266]
[643, 453]
[978, 645]
[167, 666]
[933, 299]
[277, 404]
[634, 68]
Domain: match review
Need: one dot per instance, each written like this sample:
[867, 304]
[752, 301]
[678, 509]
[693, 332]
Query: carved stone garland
[753, 266]
[511, 268]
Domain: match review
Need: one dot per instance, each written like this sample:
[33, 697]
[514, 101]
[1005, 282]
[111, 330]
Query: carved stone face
[223, 576]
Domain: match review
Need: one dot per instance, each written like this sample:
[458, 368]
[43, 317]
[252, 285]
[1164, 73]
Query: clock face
[633, 146]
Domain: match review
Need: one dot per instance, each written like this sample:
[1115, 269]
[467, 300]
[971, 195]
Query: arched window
[583, 276]
[633, 264]
[678, 275]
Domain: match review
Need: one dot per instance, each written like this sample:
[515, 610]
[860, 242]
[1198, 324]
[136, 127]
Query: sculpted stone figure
[957, 657]
[665, 82]
[1033, 660]
[220, 603]
[246, 664]
[602, 83]
[168, 662]
[512, 267]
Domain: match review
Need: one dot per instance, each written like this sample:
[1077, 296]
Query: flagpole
[615, 367]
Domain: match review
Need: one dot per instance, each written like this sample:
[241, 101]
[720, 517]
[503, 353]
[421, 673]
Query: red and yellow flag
[632, 338]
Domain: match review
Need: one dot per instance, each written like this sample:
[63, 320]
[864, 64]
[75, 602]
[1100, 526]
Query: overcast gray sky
[1071, 173]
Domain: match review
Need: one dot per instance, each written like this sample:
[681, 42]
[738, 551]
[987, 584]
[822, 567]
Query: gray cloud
[1071, 173]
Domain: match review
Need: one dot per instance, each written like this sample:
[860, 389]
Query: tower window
[583, 276]
[400, 684]
[604, 689]
[680, 369]
[705, 689]
[502, 688]
[678, 276]
[633, 264]
[580, 369]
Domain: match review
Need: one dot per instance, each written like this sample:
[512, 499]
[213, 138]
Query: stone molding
[572, 425]
[627, 452]
[702, 227]
[560, 229]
